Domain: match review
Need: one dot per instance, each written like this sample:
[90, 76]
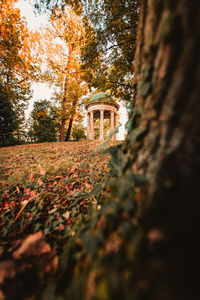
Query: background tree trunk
[64, 105]
[163, 143]
[64, 102]
[73, 112]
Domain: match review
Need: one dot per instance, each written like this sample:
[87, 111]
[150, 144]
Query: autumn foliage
[58, 47]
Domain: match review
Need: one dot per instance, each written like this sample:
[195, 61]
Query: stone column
[92, 125]
[88, 126]
[112, 122]
[115, 125]
[101, 124]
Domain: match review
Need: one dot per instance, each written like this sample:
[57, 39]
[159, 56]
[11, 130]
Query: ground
[46, 189]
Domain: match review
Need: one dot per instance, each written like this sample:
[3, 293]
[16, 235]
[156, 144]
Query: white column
[101, 124]
[92, 125]
[115, 125]
[112, 122]
[88, 126]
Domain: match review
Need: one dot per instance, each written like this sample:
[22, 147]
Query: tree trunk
[164, 145]
[74, 105]
[64, 103]
[69, 129]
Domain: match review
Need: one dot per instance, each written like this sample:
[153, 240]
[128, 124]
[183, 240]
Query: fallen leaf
[31, 176]
[155, 235]
[7, 270]
[27, 191]
[42, 171]
[67, 215]
[52, 210]
[33, 245]
[2, 296]
[112, 245]
[39, 182]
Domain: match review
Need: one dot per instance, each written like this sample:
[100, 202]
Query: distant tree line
[44, 124]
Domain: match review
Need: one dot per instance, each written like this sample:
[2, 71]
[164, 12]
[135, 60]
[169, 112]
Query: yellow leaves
[14, 35]
[43, 113]
[61, 40]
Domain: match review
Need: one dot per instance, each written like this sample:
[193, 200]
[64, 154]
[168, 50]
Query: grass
[24, 164]
[56, 212]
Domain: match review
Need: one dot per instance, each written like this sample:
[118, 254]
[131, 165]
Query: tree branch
[122, 84]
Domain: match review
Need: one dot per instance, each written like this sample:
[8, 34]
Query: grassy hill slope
[46, 194]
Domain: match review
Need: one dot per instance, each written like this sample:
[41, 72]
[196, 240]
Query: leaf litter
[46, 189]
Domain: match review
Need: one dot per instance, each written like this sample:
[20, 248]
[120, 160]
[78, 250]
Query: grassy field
[46, 192]
[25, 164]
[67, 223]
[50, 174]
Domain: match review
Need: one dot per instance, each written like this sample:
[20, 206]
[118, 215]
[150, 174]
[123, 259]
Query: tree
[163, 146]
[78, 133]
[146, 237]
[15, 52]
[45, 122]
[8, 120]
[60, 45]
[76, 91]
[147, 243]
[44, 5]
[112, 46]
[108, 53]
[16, 59]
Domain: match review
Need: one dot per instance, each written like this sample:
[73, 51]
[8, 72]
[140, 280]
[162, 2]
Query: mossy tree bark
[163, 143]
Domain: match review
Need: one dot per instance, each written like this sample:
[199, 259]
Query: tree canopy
[59, 48]
[8, 119]
[16, 66]
[114, 26]
[45, 122]
[108, 53]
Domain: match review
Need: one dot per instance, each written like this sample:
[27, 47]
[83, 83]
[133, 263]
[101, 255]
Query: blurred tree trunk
[163, 143]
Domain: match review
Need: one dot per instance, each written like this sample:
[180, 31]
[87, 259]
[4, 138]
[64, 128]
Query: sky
[44, 91]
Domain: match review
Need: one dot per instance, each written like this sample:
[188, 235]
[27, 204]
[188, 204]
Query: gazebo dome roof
[101, 97]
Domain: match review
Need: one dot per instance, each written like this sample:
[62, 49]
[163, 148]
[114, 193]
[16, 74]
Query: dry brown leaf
[17, 189]
[39, 182]
[33, 245]
[7, 270]
[42, 171]
[155, 235]
[66, 215]
[27, 191]
[112, 244]
[2, 296]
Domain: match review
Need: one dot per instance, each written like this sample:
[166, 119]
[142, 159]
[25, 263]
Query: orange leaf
[21, 210]
[32, 245]
[39, 182]
[42, 171]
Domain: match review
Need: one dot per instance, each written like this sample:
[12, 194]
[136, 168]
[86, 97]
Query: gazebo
[101, 106]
